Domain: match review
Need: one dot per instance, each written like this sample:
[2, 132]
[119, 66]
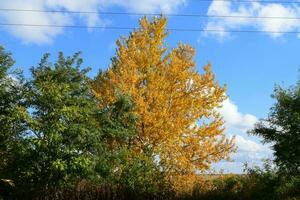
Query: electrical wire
[133, 28]
[148, 14]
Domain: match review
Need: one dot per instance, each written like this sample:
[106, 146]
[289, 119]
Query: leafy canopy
[172, 100]
[11, 109]
[282, 128]
[66, 138]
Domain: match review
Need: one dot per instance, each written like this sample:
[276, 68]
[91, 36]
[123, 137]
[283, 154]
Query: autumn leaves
[171, 102]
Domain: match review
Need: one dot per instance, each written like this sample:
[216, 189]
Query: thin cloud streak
[260, 14]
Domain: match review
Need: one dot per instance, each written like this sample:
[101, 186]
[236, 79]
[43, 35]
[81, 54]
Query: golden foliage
[175, 105]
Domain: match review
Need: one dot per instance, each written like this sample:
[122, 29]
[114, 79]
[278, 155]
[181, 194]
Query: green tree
[282, 128]
[11, 109]
[55, 138]
[67, 138]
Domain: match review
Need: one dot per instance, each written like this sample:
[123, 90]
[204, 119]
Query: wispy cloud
[27, 34]
[42, 35]
[261, 18]
[146, 6]
[249, 149]
[236, 119]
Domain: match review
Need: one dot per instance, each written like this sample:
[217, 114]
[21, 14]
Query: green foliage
[269, 183]
[63, 131]
[73, 139]
[282, 128]
[141, 177]
[12, 110]
[56, 143]
[64, 139]
[257, 184]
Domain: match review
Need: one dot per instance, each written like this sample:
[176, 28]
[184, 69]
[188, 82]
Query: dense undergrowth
[256, 184]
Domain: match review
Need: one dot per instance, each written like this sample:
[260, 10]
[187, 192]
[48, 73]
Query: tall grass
[256, 184]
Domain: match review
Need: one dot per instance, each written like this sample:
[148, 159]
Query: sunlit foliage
[175, 104]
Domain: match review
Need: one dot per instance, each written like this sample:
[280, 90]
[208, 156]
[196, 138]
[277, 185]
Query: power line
[132, 28]
[251, 1]
[148, 14]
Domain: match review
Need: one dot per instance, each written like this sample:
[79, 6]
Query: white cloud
[41, 35]
[249, 148]
[164, 6]
[255, 9]
[250, 152]
[29, 34]
[79, 5]
[234, 118]
[247, 145]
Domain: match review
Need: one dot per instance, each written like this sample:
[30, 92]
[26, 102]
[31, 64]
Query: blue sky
[250, 64]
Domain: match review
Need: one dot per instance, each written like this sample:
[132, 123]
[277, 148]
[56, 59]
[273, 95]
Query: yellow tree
[175, 105]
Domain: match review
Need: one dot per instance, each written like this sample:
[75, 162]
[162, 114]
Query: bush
[267, 183]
